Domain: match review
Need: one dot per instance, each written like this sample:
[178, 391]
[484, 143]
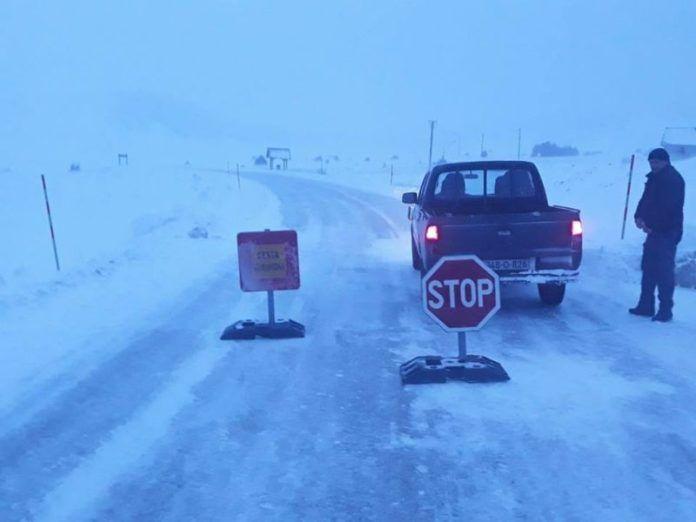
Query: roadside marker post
[460, 293]
[628, 195]
[268, 262]
[50, 223]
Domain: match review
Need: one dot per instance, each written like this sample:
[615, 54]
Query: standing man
[660, 214]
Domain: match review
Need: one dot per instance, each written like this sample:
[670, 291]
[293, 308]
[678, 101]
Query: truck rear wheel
[551, 294]
[415, 258]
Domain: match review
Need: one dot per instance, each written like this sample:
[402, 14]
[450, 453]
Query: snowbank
[131, 241]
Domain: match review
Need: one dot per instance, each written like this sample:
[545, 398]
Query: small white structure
[277, 153]
[680, 142]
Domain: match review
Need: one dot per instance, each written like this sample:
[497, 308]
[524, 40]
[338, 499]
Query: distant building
[680, 142]
[280, 154]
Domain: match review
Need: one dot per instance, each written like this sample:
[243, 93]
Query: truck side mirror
[410, 198]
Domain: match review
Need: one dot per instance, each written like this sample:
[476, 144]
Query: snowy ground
[120, 403]
[127, 254]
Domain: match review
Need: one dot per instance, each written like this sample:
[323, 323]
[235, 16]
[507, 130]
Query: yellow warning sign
[269, 261]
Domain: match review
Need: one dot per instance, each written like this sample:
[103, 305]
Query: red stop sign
[461, 293]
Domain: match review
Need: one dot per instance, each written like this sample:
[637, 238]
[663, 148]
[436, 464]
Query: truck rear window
[499, 190]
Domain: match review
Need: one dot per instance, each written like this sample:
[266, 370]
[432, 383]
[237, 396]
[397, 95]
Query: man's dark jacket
[662, 204]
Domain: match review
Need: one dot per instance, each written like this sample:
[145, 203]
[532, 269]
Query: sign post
[628, 196]
[268, 262]
[460, 293]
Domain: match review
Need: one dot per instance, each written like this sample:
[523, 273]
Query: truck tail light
[576, 229]
[432, 233]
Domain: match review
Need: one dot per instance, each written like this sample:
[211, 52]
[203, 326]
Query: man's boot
[646, 303]
[663, 315]
[666, 293]
[642, 310]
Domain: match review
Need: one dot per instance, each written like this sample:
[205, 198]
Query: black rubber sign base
[437, 369]
[248, 330]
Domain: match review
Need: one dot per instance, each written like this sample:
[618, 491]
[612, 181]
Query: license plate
[516, 265]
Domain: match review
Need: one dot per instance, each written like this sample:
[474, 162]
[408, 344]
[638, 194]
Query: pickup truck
[497, 210]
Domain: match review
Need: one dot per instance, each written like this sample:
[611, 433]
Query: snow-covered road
[597, 422]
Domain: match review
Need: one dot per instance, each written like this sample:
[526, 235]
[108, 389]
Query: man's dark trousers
[659, 252]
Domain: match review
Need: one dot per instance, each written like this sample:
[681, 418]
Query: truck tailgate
[507, 235]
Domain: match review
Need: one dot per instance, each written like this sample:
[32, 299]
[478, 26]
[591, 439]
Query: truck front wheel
[551, 294]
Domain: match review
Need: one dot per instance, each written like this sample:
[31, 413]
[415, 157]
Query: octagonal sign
[461, 293]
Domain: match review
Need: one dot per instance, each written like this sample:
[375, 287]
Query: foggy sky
[347, 76]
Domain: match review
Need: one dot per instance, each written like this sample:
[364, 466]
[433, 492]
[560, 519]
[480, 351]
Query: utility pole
[482, 138]
[519, 142]
[430, 154]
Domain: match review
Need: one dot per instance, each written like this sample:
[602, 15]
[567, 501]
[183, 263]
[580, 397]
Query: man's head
[658, 159]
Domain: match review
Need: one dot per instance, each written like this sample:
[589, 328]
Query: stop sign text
[453, 292]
